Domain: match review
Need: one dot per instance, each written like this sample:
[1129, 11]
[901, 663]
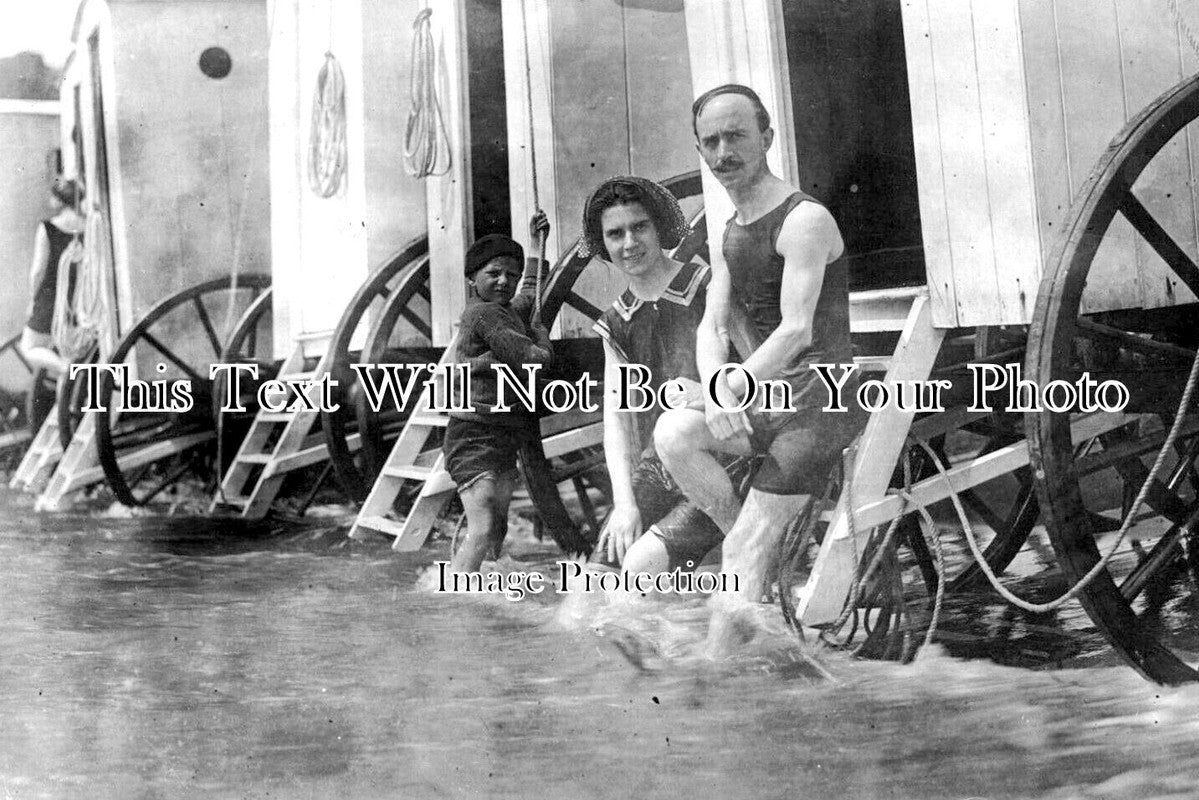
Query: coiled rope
[1040, 608]
[426, 143]
[864, 573]
[81, 312]
[327, 138]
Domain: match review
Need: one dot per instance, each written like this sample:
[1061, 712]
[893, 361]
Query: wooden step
[432, 420]
[383, 525]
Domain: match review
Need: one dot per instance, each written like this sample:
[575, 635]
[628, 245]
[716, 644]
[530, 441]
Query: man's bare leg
[685, 445]
[749, 552]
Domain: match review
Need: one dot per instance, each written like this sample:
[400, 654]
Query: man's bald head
[760, 112]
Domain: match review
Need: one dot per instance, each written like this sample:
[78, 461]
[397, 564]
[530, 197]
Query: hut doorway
[853, 132]
[100, 193]
[491, 205]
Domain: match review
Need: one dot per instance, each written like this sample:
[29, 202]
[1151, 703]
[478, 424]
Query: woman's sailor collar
[681, 291]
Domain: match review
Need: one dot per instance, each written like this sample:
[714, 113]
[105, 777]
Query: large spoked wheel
[393, 291]
[1090, 466]
[25, 402]
[145, 453]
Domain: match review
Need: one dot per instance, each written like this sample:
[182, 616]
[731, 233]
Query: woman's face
[631, 239]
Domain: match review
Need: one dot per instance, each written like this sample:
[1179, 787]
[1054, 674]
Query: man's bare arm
[712, 352]
[711, 337]
[808, 242]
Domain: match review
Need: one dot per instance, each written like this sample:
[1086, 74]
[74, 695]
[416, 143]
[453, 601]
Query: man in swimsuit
[783, 252]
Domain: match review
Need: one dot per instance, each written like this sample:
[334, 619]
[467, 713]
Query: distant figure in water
[54, 237]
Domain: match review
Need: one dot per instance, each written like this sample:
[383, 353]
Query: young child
[481, 446]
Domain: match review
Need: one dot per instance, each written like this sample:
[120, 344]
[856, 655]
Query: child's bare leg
[505, 485]
[479, 502]
[486, 503]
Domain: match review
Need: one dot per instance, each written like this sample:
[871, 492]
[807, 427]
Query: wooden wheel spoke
[988, 515]
[16, 351]
[1164, 551]
[1161, 241]
[575, 301]
[1129, 341]
[174, 359]
[417, 322]
[1160, 496]
[1128, 448]
[142, 434]
[171, 478]
[209, 329]
[133, 429]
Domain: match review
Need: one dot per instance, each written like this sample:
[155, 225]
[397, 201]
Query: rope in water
[1101, 564]
[865, 572]
[327, 137]
[426, 143]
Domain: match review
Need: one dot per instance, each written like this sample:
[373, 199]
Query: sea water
[175, 657]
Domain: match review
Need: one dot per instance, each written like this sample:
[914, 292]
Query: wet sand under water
[163, 658]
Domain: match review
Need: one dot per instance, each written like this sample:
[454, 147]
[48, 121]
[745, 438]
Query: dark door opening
[488, 118]
[853, 130]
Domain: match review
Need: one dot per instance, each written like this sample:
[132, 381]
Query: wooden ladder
[879, 447]
[78, 467]
[278, 442]
[412, 460]
[42, 455]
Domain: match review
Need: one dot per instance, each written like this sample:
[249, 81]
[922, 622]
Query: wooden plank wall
[973, 157]
[193, 149]
[1013, 102]
[743, 41]
[618, 90]
[1103, 61]
[395, 201]
[318, 244]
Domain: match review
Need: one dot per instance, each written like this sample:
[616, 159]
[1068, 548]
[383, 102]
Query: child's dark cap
[491, 246]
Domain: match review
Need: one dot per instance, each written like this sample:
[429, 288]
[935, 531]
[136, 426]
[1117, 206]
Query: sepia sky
[43, 26]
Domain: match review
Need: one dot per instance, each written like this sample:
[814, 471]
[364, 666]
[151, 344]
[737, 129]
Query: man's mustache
[728, 165]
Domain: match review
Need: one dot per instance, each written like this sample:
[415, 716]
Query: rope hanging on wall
[426, 143]
[81, 314]
[327, 139]
[539, 244]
